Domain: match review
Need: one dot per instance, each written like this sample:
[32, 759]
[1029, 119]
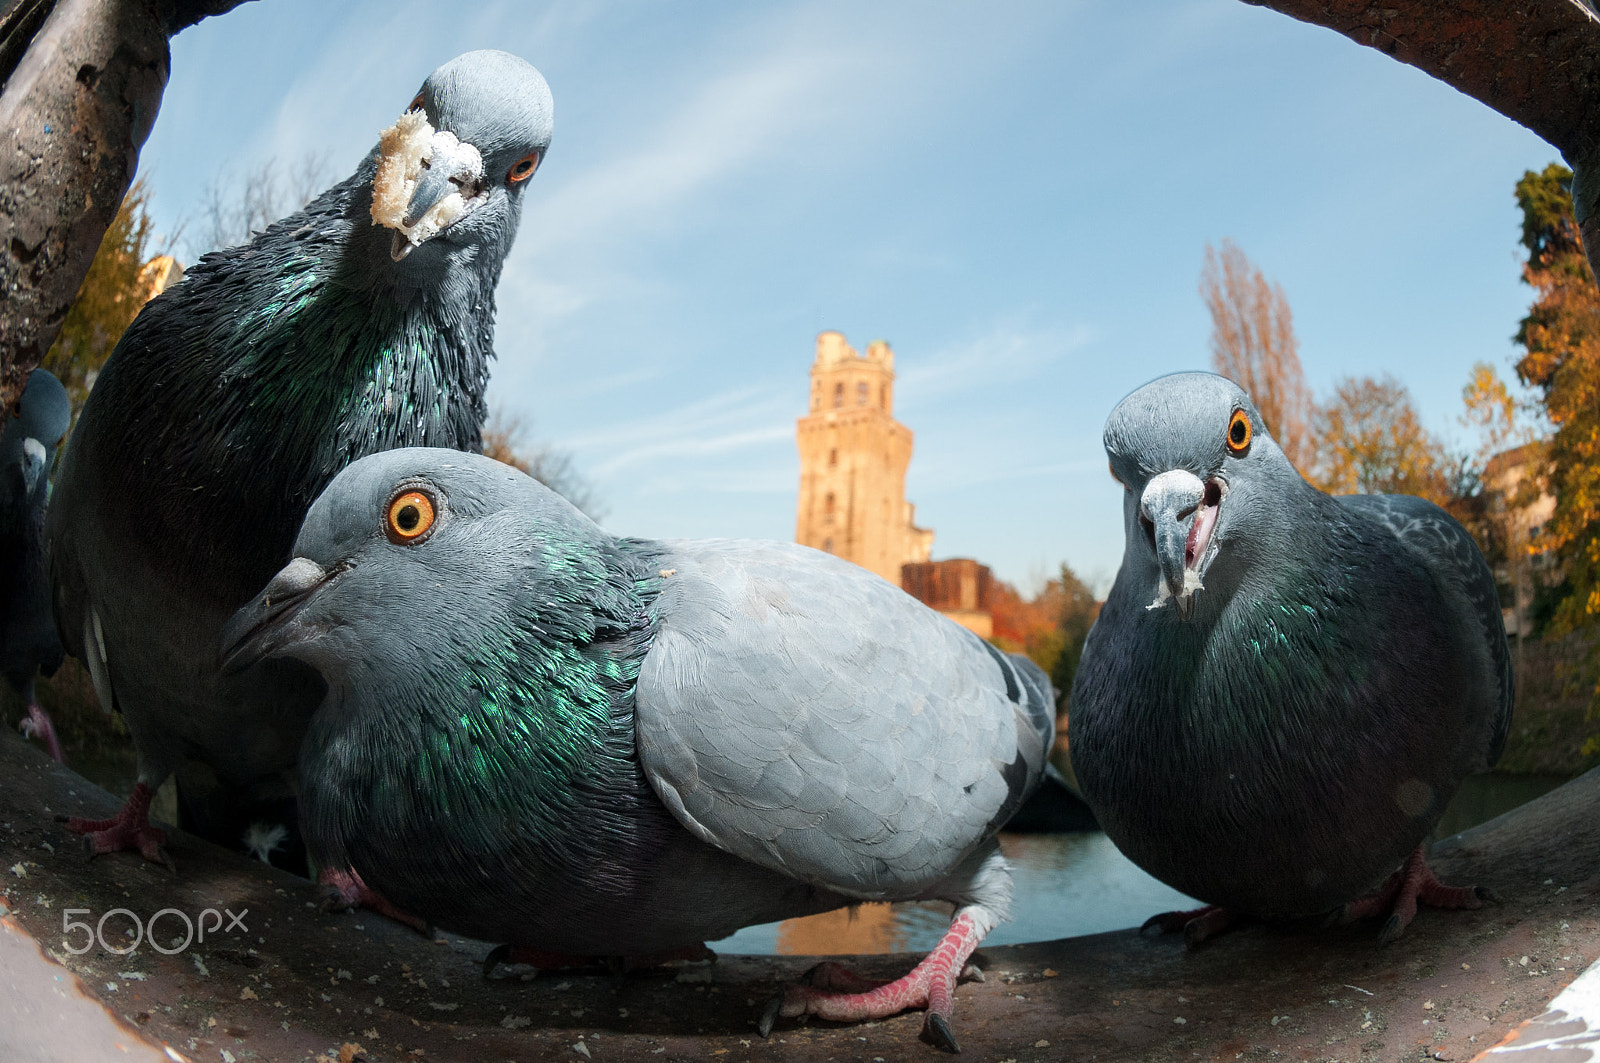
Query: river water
[1066, 885]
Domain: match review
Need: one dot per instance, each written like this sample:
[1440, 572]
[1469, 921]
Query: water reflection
[1066, 885]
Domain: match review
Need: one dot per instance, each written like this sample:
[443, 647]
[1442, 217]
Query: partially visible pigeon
[1284, 689]
[28, 639]
[362, 323]
[540, 734]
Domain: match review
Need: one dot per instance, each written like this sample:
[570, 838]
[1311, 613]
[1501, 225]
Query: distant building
[157, 275]
[1521, 520]
[853, 459]
[960, 588]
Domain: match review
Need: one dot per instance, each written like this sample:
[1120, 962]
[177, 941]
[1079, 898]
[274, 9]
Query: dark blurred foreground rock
[301, 983]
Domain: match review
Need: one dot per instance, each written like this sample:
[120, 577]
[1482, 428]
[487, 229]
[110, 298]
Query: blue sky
[1017, 197]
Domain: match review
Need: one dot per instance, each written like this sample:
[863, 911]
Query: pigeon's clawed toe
[1413, 885]
[36, 724]
[936, 1031]
[1197, 925]
[836, 993]
[129, 829]
[347, 891]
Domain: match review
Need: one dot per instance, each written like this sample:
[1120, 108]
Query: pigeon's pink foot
[1405, 889]
[130, 829]
[346, 891]
[845, 997]
[1198, 924]
[546, 960]
[37, 725]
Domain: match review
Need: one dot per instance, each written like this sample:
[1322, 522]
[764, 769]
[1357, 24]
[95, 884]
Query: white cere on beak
[403, 151]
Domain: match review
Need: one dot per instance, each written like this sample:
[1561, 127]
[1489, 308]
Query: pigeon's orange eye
[524, 167]
[1239, 432]
[416, 104]
[410, 517]
[1112, 469]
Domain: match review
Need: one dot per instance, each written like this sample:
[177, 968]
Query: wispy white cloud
[1004, 354]
[725, 123]
[726, 423]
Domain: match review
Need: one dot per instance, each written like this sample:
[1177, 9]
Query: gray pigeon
[539, 734]
[362, 323]
[1284, 689]
[28, 639]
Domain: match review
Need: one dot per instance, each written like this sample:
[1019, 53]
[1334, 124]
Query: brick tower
[853, 458]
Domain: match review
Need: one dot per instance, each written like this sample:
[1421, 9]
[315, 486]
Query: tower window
[827, 544]
[883, 396]
[838, 395]
[833, 457]
[827, 508]
[861, 393]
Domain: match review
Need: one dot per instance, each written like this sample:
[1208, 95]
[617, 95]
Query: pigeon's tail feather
[94, 654]
[1038, 702]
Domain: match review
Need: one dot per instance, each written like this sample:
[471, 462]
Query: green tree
[121, 279]
[1078, 612]
[1049, 627]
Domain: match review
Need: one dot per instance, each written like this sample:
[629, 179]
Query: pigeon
[28, 639]
[361, 323]
[1284, 688]
[539, 734]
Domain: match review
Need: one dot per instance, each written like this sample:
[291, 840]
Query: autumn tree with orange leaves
[1561, 340]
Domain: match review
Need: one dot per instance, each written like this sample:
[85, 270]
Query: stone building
[853, 459]
[1520, 520]
[960, 588]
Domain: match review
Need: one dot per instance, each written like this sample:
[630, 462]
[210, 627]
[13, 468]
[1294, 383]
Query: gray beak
[264, 623]
[453, 167]
[1169, 504]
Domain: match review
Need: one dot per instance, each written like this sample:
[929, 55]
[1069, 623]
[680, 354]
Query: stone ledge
[304, 982]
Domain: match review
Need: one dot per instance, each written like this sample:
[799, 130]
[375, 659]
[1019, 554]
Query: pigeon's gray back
[807, 716]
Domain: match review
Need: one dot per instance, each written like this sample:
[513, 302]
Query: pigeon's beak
[265, 624]
[452, 166]
[1180, 512]
[426, 181]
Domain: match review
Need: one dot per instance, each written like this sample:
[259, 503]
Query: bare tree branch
[236, 208]
[1253, 344]
[83, 83]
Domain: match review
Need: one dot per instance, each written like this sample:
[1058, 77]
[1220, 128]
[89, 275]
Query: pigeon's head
[452, 169]
[28, 438]
[1200, 476]
[404, 563]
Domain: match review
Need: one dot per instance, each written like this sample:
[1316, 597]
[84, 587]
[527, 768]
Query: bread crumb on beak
[402, 150]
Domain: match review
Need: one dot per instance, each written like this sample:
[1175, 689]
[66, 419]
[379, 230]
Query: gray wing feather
[804, 714]
[1448, 550]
